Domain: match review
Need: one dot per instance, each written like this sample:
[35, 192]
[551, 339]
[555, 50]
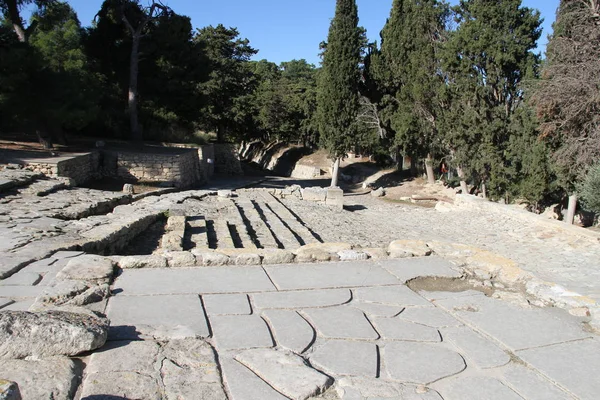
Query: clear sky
[284, 29]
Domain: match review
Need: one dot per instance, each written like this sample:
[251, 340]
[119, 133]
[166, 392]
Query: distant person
[443, 170]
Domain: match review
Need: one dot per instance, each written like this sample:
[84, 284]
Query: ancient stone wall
[80, 168]
[227, 159]
[181, 170]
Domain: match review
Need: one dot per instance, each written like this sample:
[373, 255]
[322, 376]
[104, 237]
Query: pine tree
[339, 81]
[408, 74]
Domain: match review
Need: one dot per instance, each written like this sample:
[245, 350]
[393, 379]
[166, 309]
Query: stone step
[237, 222]
[197, 233]
[224, 240]
[280, 230]
[304, 234]
[263, 236]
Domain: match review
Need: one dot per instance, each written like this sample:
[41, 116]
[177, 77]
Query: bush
[590, 189]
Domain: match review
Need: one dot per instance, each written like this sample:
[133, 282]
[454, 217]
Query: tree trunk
[15, 19]
[136, 133]
[463, 183]
[571, 210]
[413, 166]
[484, 190]
[336, 172]
[429, 169]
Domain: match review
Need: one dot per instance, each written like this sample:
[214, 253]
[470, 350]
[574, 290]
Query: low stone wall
[329, 196]
[306, 172]
[81, 168]
[227, 159]
[182, 170]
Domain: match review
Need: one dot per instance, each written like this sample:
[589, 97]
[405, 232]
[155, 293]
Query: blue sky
[284, 29]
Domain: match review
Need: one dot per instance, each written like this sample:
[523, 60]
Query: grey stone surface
[121, 385]
[240, 332]
[42, 266]
[569, 365]
[5, 302]
[397, 329]
[298, 382]
[21, 292]
[476, 349]
[165, 317]
[345, 357]
[149, 261]
[352, 255]
[40, 379]
[302, 299]
[532, 385]
[356, 388]
[377, 310]
[410, 268]
[477, 388]
[226, 304]
[408, 248]
[194, 281]
[291, 331]
[334, 275]
[391, 295]
[516, 327]
[24, 334]
[211, 258]
[247, 259]
[421, 363]
[341, 323]
[66, 254]
[119, 356]
[244, 384]
[429, 316]
[22, 279]
[176, 259]
[274, 256]
[88, 267]
[21, 305]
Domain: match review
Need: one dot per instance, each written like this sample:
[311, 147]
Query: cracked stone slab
[209, 280]
[391, 295]
[331, 275]
[119, 356]
[5, 302]
[397, 329]
[421, 363]
[477, 349]
[121, 385]
[352, 388]
[22, 279]
[406, 269]
[531, 385]
[515, 327]
[21, 305]
[88, 267]
[166, 317]
[291, 331]
[302, 299]
[227, 304]
[433, 317]
[40, 379]
[477, 388]
[341, 323]
[569, 365]
[345, 357]
[21, 292]
[244, 384]
[240, 332]
[377, 310]
[66, 254]
[285, 372]
[41, 266]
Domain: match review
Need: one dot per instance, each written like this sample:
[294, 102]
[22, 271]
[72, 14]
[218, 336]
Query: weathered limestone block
[378, 192]
[89, 268]
[53, 378]
[276, 256]
[321, 251]
[72, 293]
[408, 248]
[24, 334]
[352, 255]
[335, 198]
[180, 259]
[314, 194]
[247, 259]
[376, 253]
[121, 385]
[226, 194]
[211, 258]
[128, 188]
[176, 223]
[148, 261]
[172, 241]
[9, 390]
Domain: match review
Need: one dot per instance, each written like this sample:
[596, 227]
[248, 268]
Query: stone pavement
[351, 330]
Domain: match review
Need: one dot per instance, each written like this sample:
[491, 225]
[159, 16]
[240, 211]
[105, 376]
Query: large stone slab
[377, 310]
[302, 299]
[46, 334]
[570, 365]
[351, 388]
[166, 317]
[193, 281]
[22, 278]
[517, 328]
[397, 329]
[332, 275]
[55, 378]
[88, 267]
[5, 302]
[341, 323]
[285, 372]
[121, 385]
[345, 357]
[291, 331]
[240, 332]
[409, 268]
[421, 363]
[119, 356]
[244, 384]
[429, 316]
[21, 292]
[477, 388]
[391, 295]
[531, 385]
[477, 349]
[227, 304]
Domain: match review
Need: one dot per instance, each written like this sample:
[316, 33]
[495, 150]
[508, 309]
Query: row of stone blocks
[331, 196]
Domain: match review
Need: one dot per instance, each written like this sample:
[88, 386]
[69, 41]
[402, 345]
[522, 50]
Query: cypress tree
[339, 80]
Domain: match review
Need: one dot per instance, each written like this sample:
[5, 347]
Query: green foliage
[590, 189]
[339, 80]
